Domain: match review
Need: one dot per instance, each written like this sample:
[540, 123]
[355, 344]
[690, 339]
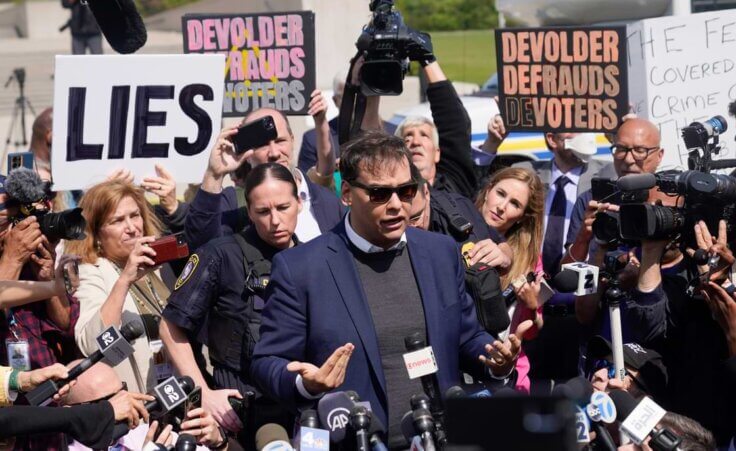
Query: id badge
[19, 355]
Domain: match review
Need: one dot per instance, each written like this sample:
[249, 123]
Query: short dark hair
[372, 151]
[694, 436]
[260, 173]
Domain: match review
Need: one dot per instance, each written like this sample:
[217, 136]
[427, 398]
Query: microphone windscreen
[186, 442]
[624, 402]
[635, 182]
[578, 389]
[25, 186]
[334, 410]
[414, 342]
[353, 395]
[131, 330]
[269, 433]
[121, 24]
[309, 419]
[565, 281]
[455, 392]
[186, 383]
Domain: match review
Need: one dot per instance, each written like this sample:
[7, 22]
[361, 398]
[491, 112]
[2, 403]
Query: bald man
[216, 211]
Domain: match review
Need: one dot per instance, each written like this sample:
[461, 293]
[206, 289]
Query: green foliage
[446, 15]
[466, 55]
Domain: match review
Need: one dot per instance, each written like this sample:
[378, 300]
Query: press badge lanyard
[18, 351]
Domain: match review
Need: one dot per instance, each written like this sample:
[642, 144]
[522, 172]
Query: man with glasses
[339, 307]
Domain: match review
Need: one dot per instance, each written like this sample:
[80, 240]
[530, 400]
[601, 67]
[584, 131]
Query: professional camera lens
[606, 228]
[382, 78]
[66, 225]
[645, 221]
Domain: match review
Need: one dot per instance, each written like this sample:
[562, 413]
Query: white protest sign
[682, 69]
[133, 111]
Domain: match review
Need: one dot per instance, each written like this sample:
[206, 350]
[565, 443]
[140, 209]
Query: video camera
[387, 44]
[27, 195]
[708, 197]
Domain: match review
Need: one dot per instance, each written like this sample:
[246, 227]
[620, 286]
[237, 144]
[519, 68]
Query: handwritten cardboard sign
[270, 58]
[562, 79]
[682, 69]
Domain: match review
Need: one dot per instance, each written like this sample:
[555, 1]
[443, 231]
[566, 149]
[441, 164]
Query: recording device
[242, 407]
[604, 189]
[25, 190]
[20, 160]
[177, 415]
[272, 437]
[387, 44]
[484, 287]
[169, 248]
[606, 224]
[424, 425]
[120, 23]
[592, 410]
[254, 134]
[112, 345]
[639, 421]
[420, 362]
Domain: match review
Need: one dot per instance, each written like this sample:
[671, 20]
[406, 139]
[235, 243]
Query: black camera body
[708, 197]
[607, 225]
[387, 43]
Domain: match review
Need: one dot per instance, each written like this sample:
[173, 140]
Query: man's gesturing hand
[327, 377]
[501, 357]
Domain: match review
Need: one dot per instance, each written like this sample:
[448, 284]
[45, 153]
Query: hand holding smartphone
[255, 134]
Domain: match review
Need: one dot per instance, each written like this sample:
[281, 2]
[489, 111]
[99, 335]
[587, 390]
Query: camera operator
[694, 333]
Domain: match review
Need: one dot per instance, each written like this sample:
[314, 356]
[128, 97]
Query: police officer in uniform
[220, 290]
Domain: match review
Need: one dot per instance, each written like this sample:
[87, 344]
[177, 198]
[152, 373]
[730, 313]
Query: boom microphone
[121, 24]
[112, 345]
[636, 182]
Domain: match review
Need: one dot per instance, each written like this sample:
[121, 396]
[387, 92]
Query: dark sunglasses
[382, 194]
[603, 363]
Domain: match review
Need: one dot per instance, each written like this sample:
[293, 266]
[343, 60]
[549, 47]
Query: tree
[448, 15]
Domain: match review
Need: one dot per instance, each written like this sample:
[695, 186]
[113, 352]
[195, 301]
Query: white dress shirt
[307, 227]
[571, 194]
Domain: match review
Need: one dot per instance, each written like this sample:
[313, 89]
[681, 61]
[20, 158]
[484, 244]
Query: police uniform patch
[187, 272]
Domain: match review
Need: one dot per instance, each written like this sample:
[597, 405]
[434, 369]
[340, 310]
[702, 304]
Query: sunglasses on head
[382, 194]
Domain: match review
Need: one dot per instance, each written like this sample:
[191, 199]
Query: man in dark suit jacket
[216, 211]
[347, 300]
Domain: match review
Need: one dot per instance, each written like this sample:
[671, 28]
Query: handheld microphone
[272, 437]
[592, 407]
[112, 345]
[360, 422]
[420, 362]
[455, 392]
[310, 436]
[639, 421]
[334, 414]
[578, 278]
[186, 442]
[121, 24]
[424, 425]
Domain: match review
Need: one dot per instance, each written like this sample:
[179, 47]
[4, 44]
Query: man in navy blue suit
[215, 211]
[339, 307]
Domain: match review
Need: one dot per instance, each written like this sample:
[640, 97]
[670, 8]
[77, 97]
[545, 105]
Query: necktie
[553, 237]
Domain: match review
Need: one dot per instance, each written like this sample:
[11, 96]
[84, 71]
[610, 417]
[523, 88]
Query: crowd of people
[304, 280]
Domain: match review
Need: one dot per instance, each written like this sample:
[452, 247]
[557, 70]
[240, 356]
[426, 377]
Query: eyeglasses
[639, 153]
[382, 194]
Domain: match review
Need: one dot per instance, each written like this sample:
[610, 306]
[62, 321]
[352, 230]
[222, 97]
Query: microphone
[112, 345]
[592, 407]
[25, 186]
[310, 436]
[360, 421]
[420, 362]
[334, 414]
[455, 392]
[636, 182]
[121, 24]
[424, 425]
[186, 442]
[272, 437]
[639, 421]
[578, 278]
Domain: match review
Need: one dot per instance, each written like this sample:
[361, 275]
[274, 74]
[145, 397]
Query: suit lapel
[425, 281]
[345, 274]
[314, 200]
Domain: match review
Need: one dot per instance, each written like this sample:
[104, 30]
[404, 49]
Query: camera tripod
[19, 112]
